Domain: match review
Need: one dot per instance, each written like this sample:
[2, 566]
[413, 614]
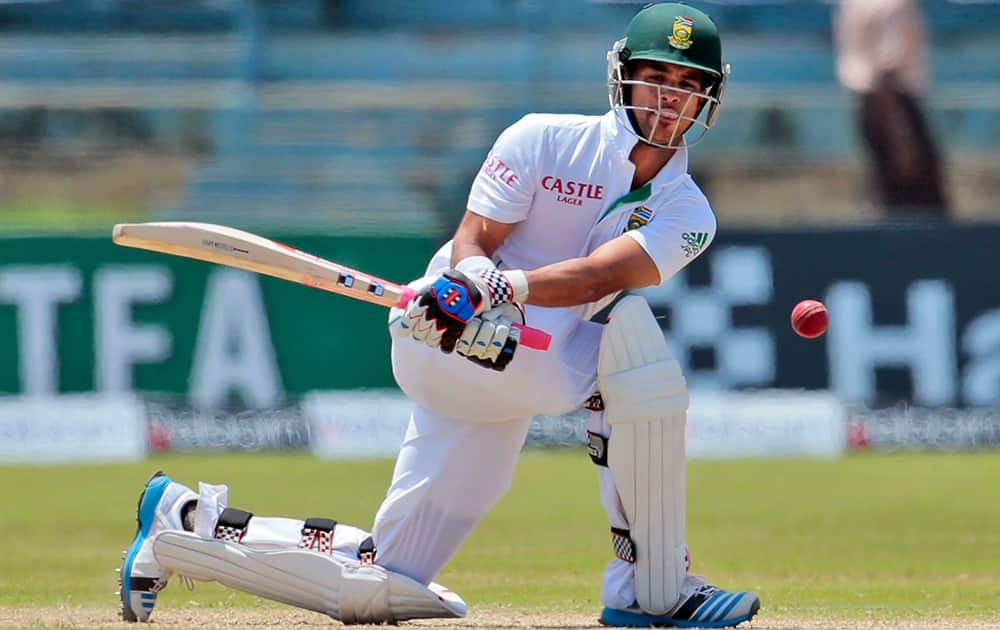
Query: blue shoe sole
[156, 485]
[624, 619]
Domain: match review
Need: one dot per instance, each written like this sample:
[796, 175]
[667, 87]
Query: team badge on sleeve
[639, 217]
[683, 29]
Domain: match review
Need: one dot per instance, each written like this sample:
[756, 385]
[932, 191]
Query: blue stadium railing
[388, 127]
[788, 16]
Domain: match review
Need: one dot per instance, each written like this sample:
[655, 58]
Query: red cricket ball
[810, 318]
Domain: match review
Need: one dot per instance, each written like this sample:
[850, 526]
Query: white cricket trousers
[466, 434]
[448, 475]
[462, 444]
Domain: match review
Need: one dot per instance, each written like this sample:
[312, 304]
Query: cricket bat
[243, 250]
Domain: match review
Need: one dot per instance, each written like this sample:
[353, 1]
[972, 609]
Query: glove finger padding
[464, 343]
[490, 340]
[441, 332]
[416, 322]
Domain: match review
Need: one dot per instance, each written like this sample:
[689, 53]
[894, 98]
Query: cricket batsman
[566, 213]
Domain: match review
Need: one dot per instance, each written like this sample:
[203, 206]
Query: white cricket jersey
[565, 181]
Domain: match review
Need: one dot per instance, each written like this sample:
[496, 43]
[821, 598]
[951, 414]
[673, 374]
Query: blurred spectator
[882, 57]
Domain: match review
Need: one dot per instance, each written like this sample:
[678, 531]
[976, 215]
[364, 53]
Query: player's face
[671, 89]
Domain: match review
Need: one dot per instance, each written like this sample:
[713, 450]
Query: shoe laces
[696, 584]
[187, 582]
[160, 584]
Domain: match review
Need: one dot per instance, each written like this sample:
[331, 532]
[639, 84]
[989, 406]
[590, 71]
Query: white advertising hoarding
[767, 423]
[71, 428]
[356, 423]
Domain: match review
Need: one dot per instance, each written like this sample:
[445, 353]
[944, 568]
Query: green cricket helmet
[669, 33]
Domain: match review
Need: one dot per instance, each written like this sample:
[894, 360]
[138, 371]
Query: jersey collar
[621, 141]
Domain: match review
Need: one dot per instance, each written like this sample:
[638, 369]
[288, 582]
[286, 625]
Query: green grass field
[61, 216]
[869, 536]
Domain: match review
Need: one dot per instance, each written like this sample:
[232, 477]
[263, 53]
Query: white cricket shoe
[142, 578]
[701, 605]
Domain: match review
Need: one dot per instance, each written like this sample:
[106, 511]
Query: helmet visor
[675, 117]
[662, 115]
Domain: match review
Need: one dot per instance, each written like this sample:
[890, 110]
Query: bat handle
[534, 338]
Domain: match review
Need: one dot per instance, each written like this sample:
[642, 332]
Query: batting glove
[490, 339]
[438, 314]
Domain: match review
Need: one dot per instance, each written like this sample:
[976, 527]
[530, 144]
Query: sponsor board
[908, 322]
[904, 427]
[767, 423]
[354, 424]
[71, 428]
[185, 429]
[720, 425]
[80, 314]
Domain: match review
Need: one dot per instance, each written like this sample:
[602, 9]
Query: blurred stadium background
[353, 128]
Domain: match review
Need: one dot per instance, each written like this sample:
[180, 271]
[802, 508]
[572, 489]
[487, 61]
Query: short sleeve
[505, 185]
[677, 234]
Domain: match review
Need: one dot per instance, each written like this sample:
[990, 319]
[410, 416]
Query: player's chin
[660, 126]
[666, 135]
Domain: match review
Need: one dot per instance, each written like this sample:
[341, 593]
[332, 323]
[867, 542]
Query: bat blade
[236, 248]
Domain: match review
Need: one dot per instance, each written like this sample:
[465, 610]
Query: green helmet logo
[676, 34]
[681, 37]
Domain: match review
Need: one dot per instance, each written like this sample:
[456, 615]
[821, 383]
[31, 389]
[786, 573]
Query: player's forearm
[617, 265]
[569, 283]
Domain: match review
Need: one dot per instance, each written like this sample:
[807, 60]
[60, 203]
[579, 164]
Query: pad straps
[366, 551]
[317, 534]
[232, 525]
[621, 540]
[597, 448]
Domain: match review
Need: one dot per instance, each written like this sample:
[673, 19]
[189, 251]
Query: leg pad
[645, 398]
[332, 584]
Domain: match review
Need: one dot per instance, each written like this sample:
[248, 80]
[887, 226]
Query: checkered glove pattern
[498, 287]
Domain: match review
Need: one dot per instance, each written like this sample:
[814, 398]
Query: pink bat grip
[534, 338]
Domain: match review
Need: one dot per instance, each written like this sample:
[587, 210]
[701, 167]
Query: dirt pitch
[203, 619]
